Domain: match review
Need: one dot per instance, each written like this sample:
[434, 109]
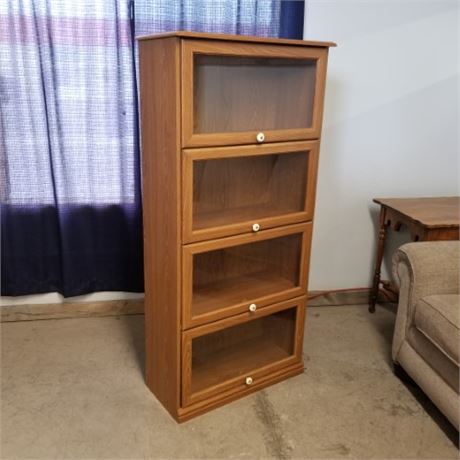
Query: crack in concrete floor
[274, 437]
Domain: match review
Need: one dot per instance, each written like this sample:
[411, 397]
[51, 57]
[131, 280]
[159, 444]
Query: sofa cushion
[437, 317]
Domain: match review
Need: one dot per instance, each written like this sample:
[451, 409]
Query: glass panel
[238, 350]
[251, 93]
[232, 190]
[239, 274]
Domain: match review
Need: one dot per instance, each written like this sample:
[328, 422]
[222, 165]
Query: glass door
[234, 190]
[230, 355]
[244, 273]
[239, 93]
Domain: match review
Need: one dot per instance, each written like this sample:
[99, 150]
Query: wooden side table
[427, 219]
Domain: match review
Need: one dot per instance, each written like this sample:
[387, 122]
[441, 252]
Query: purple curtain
[69, 178]
[268, 18]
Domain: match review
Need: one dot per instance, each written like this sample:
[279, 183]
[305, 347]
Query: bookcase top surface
[238, 38]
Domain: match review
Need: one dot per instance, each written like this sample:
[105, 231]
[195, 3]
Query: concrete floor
[74, 389]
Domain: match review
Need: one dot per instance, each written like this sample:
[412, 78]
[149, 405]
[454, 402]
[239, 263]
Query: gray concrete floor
[74, 388]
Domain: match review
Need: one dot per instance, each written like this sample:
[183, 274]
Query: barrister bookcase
[231, 128]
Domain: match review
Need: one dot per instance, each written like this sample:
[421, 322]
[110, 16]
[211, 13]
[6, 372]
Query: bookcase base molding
[202, 407]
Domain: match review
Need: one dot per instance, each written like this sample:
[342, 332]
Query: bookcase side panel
[160, 120]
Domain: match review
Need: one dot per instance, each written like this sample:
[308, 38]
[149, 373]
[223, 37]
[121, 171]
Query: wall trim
[353, 296]
[29, 312]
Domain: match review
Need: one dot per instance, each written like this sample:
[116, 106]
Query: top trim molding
[238, 38]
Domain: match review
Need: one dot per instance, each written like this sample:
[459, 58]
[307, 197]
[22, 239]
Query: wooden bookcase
[230, 142]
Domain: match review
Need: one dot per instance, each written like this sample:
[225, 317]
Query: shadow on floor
[134, 328]
[437, 416]
[386, 329]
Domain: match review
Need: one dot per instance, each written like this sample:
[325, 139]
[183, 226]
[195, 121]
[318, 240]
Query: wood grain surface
[161, 185]
[238, 38]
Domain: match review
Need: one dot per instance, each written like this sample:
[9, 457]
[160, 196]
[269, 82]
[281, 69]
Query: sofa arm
[422, 269]
[433, 268]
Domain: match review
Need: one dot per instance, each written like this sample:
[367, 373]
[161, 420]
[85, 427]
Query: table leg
[378, 260]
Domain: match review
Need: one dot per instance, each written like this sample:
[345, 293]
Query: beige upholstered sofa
[426, 337]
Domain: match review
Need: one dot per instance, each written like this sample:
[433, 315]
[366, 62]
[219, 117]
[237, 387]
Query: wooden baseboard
[28, 312]
[341, 297]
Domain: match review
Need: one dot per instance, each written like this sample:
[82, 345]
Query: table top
[430, 212]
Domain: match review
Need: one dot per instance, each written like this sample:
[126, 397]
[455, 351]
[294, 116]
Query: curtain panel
[71, 211]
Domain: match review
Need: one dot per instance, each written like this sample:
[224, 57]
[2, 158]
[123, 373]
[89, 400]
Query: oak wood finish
[225, 301]
[251, 344]
[238, 38]
[244, 94]
[161, 163]
[267, 267]
[427, 219]
[271, 185]
[187, 412]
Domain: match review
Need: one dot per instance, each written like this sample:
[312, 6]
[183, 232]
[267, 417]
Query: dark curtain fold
[291, 19]
[71, 249]
[71, 218]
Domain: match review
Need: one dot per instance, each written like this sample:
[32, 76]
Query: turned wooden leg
[378, 260]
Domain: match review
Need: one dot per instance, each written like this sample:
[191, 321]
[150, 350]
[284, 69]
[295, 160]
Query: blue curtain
[71, 217]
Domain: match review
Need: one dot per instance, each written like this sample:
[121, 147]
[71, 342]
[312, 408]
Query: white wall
[390, 126]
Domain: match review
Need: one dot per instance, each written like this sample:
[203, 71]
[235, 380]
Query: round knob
[260, 137]
[253, 307]
[249, 380]
[255, 227]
